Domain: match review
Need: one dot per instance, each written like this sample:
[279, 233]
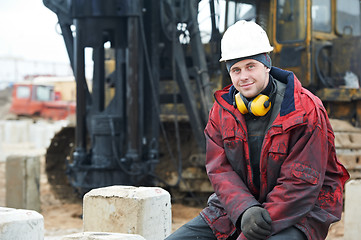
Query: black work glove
[256, 223]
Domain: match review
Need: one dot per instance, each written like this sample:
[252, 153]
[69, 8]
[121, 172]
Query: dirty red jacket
[301, 179]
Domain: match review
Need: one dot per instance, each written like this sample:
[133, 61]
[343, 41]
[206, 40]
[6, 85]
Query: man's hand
[256, 223]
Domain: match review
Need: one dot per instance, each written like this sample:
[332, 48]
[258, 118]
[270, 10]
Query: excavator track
[193, 188]
[57, 155]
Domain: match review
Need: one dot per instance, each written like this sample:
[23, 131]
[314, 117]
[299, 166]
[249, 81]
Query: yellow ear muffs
[259, 106]
[241, 106]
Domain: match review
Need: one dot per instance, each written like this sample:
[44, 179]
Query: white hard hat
[244, 39]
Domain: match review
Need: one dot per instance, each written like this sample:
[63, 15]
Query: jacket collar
[289, 101]
[287, 77]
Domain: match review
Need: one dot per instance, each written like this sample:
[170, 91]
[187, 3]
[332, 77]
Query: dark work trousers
[197, 228]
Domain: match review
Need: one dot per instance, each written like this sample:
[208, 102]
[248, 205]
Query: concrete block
[124, 209]
[102, 236]
[2, 131]
[24, 135]
[20, 224]
[39, 134]
[23, 182]
[42, 132]
[2, 184]
[352, 224]
[16, 131]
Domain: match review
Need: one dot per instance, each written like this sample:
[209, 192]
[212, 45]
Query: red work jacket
[301, 179]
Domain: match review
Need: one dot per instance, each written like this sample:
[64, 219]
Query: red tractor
[40, 100]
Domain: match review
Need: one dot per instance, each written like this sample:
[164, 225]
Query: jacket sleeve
[303, 182]
[231, 190]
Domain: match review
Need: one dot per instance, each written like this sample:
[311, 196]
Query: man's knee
[197, 228]
[291, 233]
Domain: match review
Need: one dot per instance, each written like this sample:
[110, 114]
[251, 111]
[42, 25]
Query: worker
[270, 152]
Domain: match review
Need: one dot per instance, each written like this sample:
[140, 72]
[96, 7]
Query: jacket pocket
[305, 173]
[278, 152]
[217, 218]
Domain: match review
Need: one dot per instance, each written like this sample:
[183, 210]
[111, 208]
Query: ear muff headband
[259, 106]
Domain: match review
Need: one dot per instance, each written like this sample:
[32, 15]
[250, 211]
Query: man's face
[249, 77]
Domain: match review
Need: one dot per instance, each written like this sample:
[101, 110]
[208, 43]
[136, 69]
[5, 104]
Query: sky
[30, 43]
[28, 31]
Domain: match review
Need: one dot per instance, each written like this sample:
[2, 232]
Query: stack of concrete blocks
[145, 211]
[25, 135]
[14, 137]
[352, 224]
[41, 132]
[21, 224]
[23, 182]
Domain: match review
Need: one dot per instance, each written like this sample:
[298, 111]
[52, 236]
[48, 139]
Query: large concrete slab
[25, 136]
[352, 223]
[21, 224]
[23, 182]
[132, 210]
